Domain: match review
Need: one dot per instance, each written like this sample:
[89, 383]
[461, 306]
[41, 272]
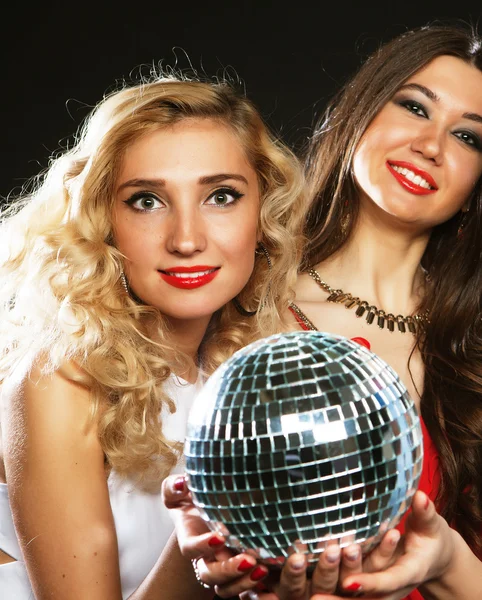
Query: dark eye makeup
[466, 136]
[135, 201]
[144, 201]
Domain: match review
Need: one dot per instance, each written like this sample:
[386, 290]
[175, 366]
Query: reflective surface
[301, 438]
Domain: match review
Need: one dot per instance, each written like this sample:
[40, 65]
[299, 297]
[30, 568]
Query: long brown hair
[451, 346]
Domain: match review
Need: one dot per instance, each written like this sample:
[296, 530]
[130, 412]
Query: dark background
[59, 58]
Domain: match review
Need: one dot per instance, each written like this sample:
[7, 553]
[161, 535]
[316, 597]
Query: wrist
[455, 577]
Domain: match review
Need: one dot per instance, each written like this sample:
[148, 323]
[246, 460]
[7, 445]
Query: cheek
[239, 241]
[462, 187]
[133, 238]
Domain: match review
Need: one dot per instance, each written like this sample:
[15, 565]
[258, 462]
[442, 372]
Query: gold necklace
[412, 323]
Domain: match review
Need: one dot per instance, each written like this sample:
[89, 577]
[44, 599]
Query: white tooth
[410, 176]
[424, 184]
[417, 179]
[404, 171]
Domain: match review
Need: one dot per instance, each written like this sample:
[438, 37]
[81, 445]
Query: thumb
[423, 517]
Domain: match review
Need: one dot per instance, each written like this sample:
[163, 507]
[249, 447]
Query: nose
[429, 143]
[186, 233]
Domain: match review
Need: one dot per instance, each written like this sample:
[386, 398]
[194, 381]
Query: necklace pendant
[401, 323]
[351, 302]
[361, 309]
[381, 319]
[411, 325]
[391, 322]
[333, 296]
[371, 314]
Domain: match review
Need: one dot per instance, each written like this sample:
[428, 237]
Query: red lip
[189, 283]
[409, 185]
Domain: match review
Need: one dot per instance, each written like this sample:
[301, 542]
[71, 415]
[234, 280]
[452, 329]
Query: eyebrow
[432, 96]
[159, 183]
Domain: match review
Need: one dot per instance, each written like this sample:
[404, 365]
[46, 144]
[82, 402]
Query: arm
[60, 502]
[462, 579]
[58, 491]
[174, 575]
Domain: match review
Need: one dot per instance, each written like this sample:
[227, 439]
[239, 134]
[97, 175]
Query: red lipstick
[189, 278]
[410, 186]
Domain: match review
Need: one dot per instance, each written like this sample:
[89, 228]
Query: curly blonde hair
[61, 297]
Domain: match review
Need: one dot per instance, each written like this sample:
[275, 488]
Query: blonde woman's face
[421, 156]
[185, 217]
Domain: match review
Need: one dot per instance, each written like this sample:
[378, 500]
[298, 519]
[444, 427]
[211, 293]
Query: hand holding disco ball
[300, 439]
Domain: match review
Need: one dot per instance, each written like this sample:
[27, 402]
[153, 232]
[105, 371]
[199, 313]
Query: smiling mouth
[188, 278]
[189, 275]
[411, 176]
[412, 179]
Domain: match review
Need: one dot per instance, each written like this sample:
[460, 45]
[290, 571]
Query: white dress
[142, 522]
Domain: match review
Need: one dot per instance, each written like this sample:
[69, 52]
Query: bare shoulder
[49, 411]
[54, 466]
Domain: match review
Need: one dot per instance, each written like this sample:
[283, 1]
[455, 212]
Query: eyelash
[411, 104]
[230, 191]
[139, 196]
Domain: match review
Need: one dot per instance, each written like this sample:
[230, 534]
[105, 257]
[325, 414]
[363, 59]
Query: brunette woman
[394, 258]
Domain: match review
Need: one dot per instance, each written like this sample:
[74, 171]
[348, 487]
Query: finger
[351, 561]
[402, 578]
[293, 581]
[240, 584]
[221, 572]
[423, 517]
[174, 490]
[326, 573]
[193, 545]
[383, 555]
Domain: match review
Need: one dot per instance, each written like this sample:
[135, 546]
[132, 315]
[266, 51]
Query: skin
[56, 476]
[433, 122]
[177, 205]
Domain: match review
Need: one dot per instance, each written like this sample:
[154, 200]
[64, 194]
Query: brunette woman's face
[420, 158]
[185, 216]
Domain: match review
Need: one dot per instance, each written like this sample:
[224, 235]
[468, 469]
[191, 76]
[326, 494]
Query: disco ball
[299, 439]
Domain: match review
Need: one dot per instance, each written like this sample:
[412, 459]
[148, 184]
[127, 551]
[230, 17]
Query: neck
[379, 264]
[186, 337]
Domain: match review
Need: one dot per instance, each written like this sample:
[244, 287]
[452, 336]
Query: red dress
[429, 483]
[430, 477]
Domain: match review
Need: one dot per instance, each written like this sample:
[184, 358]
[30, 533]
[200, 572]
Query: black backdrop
[59, 58]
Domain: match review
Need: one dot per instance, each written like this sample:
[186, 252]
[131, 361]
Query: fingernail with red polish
[244, 566]
[353, 587]
[215, 541]
[179, 484]
[258, 574]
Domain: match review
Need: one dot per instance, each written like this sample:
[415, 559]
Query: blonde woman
[165, 239]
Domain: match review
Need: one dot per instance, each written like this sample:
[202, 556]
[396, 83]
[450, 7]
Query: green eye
[144, 202]
[221, 198]
[224, 197]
